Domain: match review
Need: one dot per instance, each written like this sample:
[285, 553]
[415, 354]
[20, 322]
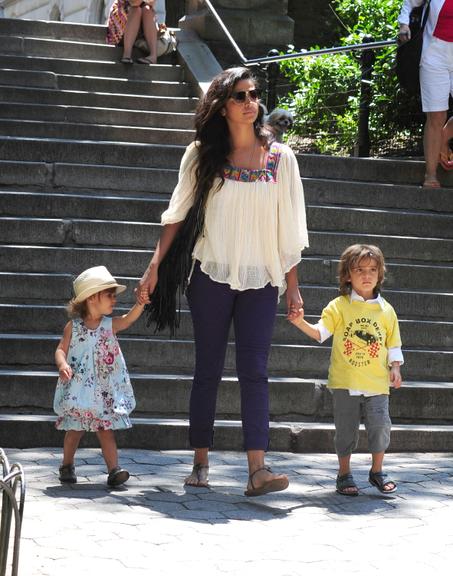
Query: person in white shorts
[436, 81]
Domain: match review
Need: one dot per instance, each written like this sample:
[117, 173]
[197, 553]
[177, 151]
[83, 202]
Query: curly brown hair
[352, 257]
[77, 309]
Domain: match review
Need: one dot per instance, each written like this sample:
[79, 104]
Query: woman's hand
[294, 303]
[404, 33]
[146, 285]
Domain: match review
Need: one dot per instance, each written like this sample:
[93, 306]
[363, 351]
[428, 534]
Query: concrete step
[131, 262]
[55, 30]
[85, 114]
[161, 72]
[385, 171]
[29, 431]
[108, 153]
[44, 79]
[140, 102]
[76, 49]
[154, 355]
[50, 319]
[118, 233]
[378, 195]
[380, 221]
[291, 399]
[95, 132]
[106, 180]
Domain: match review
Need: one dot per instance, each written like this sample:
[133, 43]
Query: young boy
[366, 342]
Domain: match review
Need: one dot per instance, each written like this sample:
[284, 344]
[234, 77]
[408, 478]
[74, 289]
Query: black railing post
[367, 59]
[272, 74]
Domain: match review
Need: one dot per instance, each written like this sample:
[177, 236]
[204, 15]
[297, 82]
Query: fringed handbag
[164, 309]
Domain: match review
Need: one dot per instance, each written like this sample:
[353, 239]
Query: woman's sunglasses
[241, 95]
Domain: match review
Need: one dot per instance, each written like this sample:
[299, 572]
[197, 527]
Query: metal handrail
[13, 476]
[293, 55]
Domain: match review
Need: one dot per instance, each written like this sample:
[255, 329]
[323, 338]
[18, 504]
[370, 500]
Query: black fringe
[165, 307]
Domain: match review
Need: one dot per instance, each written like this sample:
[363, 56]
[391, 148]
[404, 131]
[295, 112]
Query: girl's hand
[146, 286]
[395, 376]
[294, 303]
[65, 373]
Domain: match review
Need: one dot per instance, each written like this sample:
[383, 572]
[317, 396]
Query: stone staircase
[89, 154]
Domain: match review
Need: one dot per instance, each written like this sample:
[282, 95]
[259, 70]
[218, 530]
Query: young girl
[94, 393]
[366, 342]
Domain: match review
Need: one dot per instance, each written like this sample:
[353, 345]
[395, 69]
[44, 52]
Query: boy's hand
[395, 376]
[65, 373]
[295, 314]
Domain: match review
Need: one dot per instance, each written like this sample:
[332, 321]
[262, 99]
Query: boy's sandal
[346, 485]
[378, 479]
[199, 477]
[117, 476]
[275, 484]
[127, 61]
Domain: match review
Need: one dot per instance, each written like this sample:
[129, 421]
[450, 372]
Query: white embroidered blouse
[255, 224]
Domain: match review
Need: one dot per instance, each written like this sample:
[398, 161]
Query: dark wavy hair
[212, 133]
[214, 146]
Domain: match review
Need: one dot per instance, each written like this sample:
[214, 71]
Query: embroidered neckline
[266, 174]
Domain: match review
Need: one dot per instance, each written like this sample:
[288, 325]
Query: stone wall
[315, 23]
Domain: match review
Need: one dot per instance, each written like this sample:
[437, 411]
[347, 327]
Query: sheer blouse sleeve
[292, 223]
[183, 195]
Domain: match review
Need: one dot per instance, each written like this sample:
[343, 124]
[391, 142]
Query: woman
[436, 81]
[129, 18]
[238, 215]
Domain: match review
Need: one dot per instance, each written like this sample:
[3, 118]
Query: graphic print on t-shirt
[362, 340]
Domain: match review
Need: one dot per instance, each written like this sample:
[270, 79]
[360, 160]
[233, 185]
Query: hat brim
[99, 288]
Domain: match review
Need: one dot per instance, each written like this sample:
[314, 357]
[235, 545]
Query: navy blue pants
[214, 306]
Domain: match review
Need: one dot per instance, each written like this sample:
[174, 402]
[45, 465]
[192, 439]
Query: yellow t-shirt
[362, 335]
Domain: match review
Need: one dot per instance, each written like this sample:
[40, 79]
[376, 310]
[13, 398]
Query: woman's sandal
[446, 160]
[199, 477]
[147, 60]
[378, 479]
[127, 61]
[431, 183]
[345, 482]
[277, 483]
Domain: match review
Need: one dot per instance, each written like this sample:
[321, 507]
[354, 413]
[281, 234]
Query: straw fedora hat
[94, 280]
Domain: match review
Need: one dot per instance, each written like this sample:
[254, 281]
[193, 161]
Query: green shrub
[325, 98]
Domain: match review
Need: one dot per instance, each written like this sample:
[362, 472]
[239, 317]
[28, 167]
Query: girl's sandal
[346, 485]
[127, 61]
[199, 477]
[378, 479]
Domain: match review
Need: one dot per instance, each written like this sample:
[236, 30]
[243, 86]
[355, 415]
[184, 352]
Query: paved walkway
[155, 526]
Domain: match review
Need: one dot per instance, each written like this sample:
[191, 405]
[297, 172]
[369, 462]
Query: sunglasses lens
[241, 96]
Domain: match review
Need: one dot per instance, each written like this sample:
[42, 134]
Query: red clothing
[444, 26]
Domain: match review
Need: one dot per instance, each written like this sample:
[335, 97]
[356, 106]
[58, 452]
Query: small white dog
[279, 121]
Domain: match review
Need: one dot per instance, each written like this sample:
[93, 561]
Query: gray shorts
[348, 411]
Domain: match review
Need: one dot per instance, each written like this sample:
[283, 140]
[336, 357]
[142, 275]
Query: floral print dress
[99, 396]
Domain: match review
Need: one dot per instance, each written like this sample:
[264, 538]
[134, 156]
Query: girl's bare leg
[108, 446]
[71, 443]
